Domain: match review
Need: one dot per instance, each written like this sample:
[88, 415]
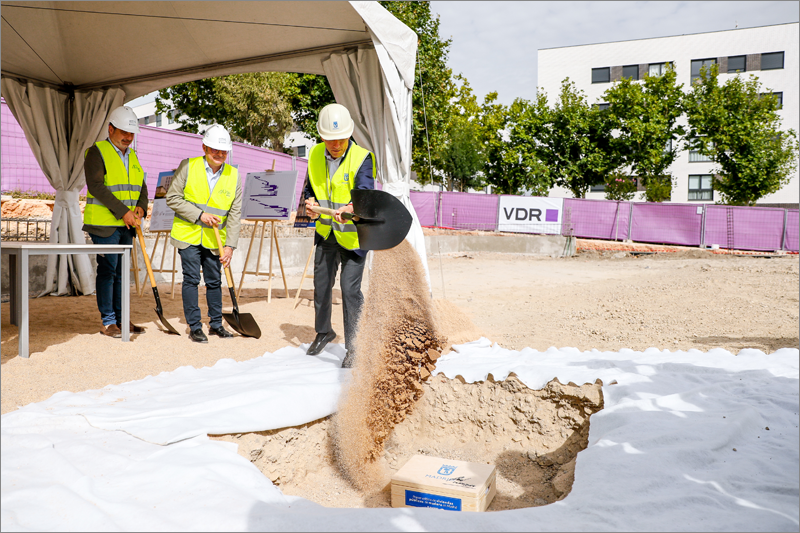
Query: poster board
[269, 195]
[161, 217]
[530, 214]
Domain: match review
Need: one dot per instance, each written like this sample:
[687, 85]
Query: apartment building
[768, 52]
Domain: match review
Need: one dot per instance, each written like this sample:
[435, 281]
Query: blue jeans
[192, 258]
[108, 285]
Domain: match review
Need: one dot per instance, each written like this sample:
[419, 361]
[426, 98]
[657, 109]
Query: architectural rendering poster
[161, 216]
[269, 195]
[529, 214]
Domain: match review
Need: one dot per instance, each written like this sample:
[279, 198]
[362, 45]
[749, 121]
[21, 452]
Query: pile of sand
[396, 344]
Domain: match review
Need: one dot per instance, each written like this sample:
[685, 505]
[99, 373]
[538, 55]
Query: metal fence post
[703, 228]
[783, 233]
[630, 222]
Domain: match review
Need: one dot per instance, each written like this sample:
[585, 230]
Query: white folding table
[18, 268]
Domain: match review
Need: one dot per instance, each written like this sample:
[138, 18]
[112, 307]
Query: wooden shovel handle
[332, 212]
[146, 258]
[228, 275]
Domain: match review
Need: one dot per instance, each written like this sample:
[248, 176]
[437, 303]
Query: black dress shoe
[220, 332]
[320, 342]
[197, 335]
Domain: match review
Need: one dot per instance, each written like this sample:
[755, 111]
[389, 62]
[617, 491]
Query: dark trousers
[192, 258]
[108, 284]
[329, 255]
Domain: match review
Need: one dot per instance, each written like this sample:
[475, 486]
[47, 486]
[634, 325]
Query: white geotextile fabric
[660, 454]
[41, 113]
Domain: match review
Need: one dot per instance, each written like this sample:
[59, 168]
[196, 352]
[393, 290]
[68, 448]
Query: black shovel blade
[243, 323]
[385, 221]
[160, 313]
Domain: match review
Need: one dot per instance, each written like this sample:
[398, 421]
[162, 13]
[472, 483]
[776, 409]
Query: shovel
[381, 220]
[243, 323]
[159, 310]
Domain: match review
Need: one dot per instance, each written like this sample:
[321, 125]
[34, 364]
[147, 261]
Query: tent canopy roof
[144, 46]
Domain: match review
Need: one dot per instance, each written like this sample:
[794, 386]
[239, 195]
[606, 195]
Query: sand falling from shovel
[396, 345]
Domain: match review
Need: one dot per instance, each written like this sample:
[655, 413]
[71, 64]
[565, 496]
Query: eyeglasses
[218, 152]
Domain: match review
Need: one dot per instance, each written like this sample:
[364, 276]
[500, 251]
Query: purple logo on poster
[551, 215]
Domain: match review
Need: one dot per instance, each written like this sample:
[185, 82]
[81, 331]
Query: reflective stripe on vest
[217, 202]
[339, 185]
[125, 186]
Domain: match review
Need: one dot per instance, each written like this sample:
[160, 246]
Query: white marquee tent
[66, 65]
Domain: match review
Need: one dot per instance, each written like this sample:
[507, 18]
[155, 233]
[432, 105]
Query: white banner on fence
[530, 214]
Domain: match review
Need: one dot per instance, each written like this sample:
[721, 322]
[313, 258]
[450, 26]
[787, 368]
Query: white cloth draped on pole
[369, 84]
[59, 128]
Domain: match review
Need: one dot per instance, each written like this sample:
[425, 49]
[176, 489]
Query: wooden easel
[273, 240]
[303, 277]
[161, 266]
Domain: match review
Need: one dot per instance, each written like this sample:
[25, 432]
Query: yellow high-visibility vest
[125, 185]
[333, 192]
[217, 202]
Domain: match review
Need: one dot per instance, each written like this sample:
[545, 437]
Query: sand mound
[397, 343]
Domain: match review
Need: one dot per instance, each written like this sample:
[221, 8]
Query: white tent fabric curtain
[369, 85]
[42, 112]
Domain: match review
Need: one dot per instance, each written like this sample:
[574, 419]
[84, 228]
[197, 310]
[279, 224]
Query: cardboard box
[444, 484]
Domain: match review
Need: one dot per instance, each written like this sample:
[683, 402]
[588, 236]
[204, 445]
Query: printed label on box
[422, 499]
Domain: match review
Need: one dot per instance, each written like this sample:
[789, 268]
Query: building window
[737, 64]
[158, 120]
[657, 69]
[697, 64]
[668, 146]
[630, 71]
[301, 150]
[601, 75]
[602, 107]
[778, 97]
[143, 121]
[696, 157]
[700, 187]
[598, 188]
[772, 61]
[171, 116]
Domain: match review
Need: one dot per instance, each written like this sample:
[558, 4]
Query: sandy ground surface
[595, 300]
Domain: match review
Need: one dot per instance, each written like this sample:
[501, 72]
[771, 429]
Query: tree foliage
[254, 107]
[575, 142]
[433, 91]
[739, 129]
[645, 114]
[462, 157]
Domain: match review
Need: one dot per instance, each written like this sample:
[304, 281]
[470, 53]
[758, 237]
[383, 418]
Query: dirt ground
[596, 300]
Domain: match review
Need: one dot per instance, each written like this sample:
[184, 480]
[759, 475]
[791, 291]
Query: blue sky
[495, 43]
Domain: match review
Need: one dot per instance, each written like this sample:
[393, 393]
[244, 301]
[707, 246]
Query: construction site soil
[605, 300]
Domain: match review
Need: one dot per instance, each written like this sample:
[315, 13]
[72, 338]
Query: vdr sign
[527, 214]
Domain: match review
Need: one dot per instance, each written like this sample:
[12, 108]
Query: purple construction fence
[467, 211]
[158, 150]
[596, 219]
[425, 205]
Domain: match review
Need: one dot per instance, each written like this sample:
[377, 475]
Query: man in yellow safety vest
[204, 193]
[116, 200]
[335, 167]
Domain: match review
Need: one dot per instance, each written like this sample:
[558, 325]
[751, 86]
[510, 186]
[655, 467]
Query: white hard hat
[218, 138]
[123, 118]
[334, 122]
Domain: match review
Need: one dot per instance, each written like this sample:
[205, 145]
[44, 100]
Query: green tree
[575, 143]
[462, 157]
[253, 107]
[433, 91]
[645, 115]
[739, 129]
[307, 95]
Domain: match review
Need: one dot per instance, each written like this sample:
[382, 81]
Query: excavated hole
[532, 436]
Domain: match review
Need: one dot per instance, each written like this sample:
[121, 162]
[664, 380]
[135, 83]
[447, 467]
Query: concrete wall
[295, 252]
